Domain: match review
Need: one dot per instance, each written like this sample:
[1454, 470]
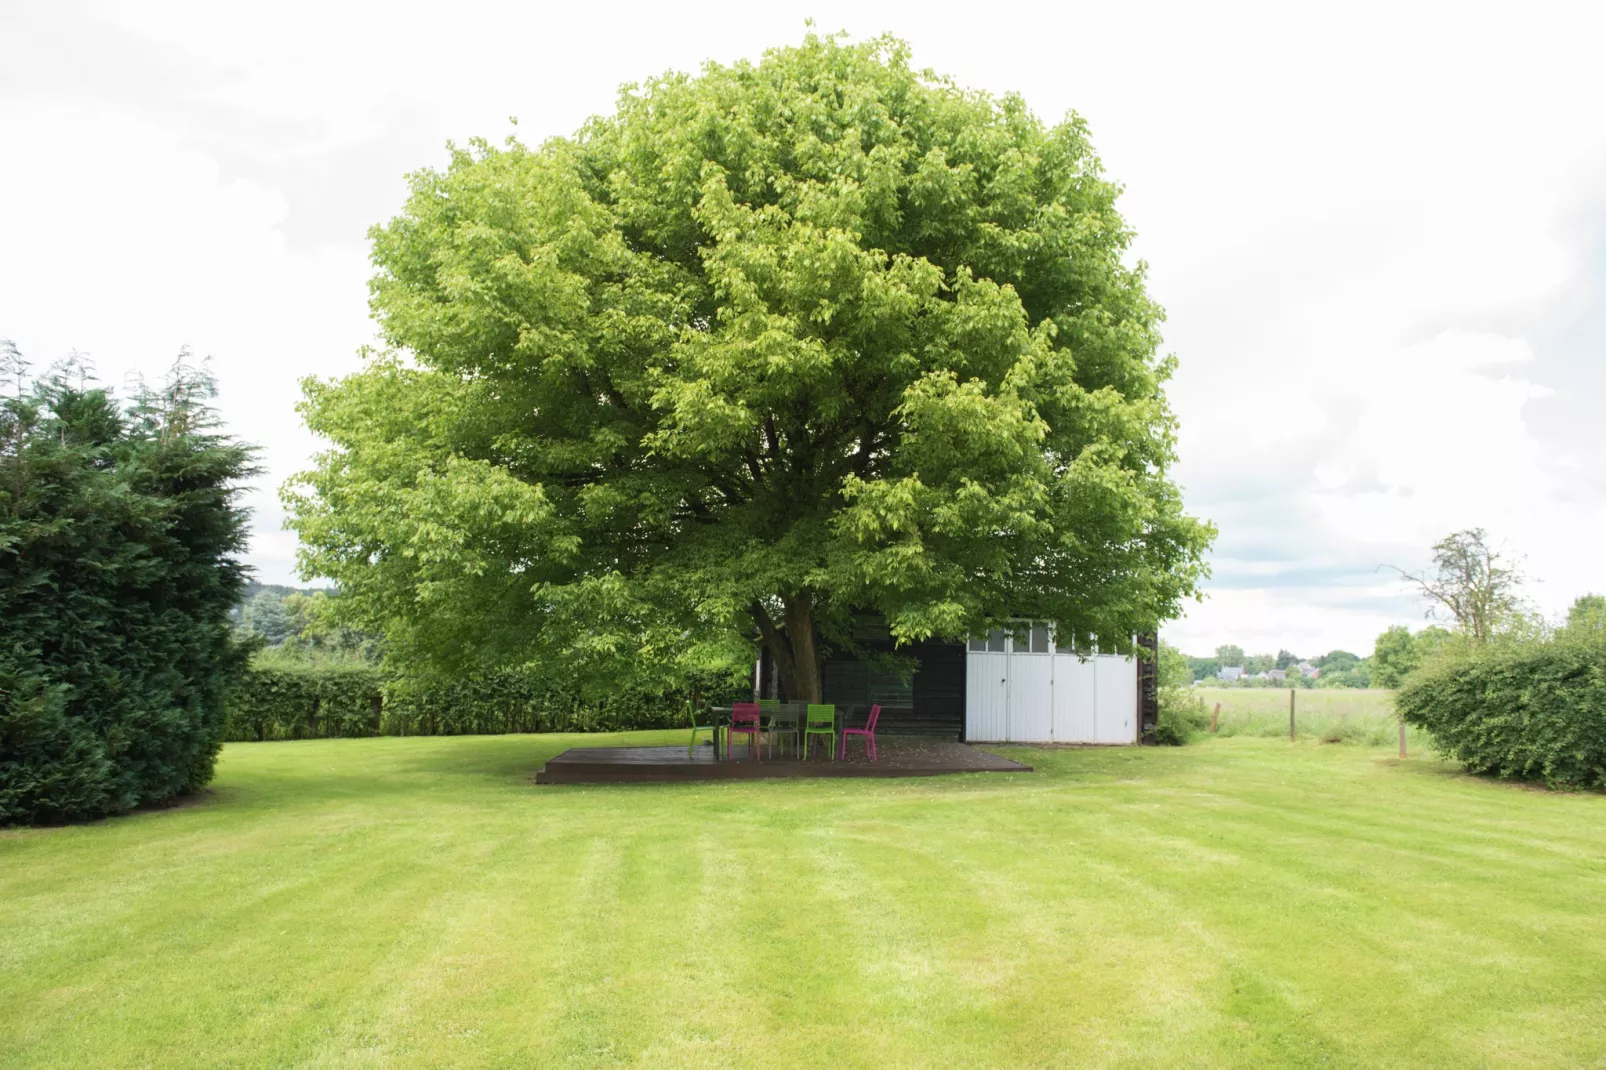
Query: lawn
[417, 902]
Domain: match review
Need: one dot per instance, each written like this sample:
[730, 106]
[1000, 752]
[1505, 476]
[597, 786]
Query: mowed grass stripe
[417, 902]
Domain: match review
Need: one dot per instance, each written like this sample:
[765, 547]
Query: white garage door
[1020, 689]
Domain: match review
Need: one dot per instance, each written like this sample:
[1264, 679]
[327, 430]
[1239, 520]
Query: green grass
[417, 903]
[1326, 715]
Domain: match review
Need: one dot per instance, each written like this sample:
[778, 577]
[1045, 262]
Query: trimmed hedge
[1532, 711]
[292, 700]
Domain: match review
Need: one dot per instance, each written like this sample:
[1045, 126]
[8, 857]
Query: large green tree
[766, 347]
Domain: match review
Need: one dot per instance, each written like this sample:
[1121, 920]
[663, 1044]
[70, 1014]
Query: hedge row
[1532, 711]
[320, 701]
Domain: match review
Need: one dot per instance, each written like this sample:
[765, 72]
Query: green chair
[781, 721]
[711, 729]
[821, 721]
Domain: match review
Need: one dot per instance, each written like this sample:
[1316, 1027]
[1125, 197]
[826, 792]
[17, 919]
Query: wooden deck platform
[639, 765]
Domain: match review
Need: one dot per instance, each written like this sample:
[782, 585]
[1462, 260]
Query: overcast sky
[1379, 233]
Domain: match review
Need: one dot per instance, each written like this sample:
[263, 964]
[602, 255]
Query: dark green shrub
[1532, 711]
[118, 566]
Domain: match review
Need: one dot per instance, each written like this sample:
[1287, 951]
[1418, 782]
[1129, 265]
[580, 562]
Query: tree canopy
[766, 347]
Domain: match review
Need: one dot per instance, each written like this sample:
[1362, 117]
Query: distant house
[1276, 674]
[1309, 671]
[1230, 672]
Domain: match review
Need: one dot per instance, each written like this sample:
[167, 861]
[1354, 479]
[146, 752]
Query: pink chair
[745, 721]
[868, 732]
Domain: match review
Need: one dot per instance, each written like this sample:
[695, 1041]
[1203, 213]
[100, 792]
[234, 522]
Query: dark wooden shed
[927, 699]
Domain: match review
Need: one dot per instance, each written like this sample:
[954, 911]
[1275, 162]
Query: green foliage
[1530, 710]
[280, 698]
[264, 615]
[1180, 715]
[302, 696]
[119, 543]
[1336, 659]
[1230, 655]
[1174, 669]
[1587, 616]
[1355, 674]
[1398, 652]
[765, 348]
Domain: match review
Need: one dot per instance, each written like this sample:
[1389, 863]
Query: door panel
[1117, 699]
[986, 696]
[1031, 697]
[1075, 699]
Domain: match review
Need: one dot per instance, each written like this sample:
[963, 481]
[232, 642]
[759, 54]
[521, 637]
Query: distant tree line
[1473, 589]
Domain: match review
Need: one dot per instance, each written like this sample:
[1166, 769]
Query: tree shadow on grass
[1450, 770]
[514, 759]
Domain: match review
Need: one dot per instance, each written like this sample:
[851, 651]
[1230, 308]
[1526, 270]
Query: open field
[416, 902]
[1327, 715]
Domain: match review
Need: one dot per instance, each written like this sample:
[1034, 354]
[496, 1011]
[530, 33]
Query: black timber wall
[931, 702]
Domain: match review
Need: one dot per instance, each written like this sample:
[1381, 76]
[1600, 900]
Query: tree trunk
[793, 646]
[805, 652]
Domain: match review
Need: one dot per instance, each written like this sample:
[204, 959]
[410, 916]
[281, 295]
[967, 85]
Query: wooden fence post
[1290, 715]
[1402, 737]
[1214, 714]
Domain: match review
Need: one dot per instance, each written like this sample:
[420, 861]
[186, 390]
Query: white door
[1075, 699]
[1031, 687]
[1117, 699]
[987, 689]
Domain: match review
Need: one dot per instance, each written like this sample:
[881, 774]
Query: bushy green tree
[264, 615]
[119, 544]
[1587, 616]
[1340, 668]
[1397, 653]
[1258, 663]
[1336, 660]
[1174, 669]
[764, 348]
[1230, 655]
